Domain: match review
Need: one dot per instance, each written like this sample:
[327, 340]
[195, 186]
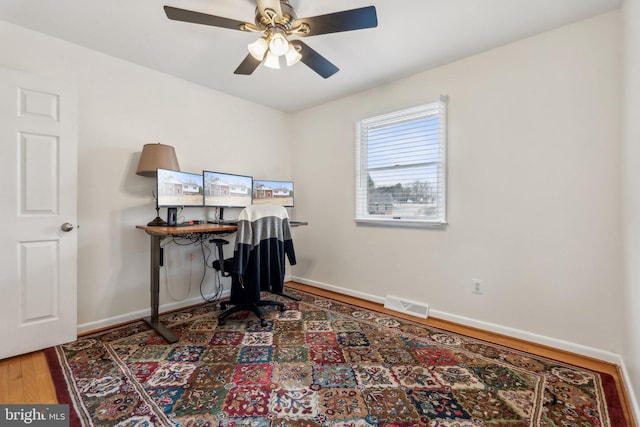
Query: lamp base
[157, 222]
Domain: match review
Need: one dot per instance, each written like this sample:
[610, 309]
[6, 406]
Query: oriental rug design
[319, 363]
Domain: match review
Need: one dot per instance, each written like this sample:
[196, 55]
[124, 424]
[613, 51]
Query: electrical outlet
[477, 287]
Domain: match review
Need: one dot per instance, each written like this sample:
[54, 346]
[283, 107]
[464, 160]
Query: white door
[38, 186]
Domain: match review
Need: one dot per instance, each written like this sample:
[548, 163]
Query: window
[400, 166]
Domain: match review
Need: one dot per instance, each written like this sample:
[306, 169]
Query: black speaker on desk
[172, 217]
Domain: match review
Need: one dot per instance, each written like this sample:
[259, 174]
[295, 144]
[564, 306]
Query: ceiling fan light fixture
[292, 55]
[275, 21]
[278, 43]
[258, 48]
[272, 60]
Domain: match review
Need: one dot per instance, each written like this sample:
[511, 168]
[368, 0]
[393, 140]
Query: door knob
[66, 227]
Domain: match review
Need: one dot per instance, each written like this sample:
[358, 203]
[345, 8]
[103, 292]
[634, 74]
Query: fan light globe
[292, 55]
[278, 44]
[258, 48]
[272, 60]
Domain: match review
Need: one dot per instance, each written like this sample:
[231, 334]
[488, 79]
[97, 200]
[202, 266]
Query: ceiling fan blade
[348, 20]
[184, 15]
[314, 60]
[247, 66]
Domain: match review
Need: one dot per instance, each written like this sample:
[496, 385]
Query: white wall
[534, 190]
[631, 185]
[121, 107]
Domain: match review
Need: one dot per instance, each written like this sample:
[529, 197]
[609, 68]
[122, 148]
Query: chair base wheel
[254, 307]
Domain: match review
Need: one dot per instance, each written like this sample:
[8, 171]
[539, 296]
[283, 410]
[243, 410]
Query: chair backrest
[257, 224]
[254, 212]
[260, 222]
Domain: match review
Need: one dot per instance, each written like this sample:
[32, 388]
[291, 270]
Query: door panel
[38, 171]
[38, 185]
[38, 284]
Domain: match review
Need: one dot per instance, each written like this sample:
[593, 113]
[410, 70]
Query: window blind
[400, 166]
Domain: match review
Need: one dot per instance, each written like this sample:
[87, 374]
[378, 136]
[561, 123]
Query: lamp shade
[292, 56]
[156, 156]
[272, 60]
[278, 44]
[258, 48]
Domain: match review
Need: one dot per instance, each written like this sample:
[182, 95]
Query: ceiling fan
[276, 20]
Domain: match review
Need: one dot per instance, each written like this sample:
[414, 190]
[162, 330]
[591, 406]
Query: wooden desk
[157, 234]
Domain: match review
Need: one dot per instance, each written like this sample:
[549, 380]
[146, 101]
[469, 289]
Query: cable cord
[179, 216]
[191, 239]
[217, 292]
[167, 282]
[164, 243]
[216, 215]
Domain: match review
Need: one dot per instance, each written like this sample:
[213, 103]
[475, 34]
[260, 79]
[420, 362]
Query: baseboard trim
[563, 345]
[486, 326]
[138, 315]
[338, 289]
[631, 396]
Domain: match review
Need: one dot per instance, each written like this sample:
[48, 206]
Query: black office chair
[225, 266]
[263, 241]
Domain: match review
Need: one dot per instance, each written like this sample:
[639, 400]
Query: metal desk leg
[153, 321]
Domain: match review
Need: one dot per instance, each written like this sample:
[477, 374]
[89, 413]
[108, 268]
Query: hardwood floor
[26, 379]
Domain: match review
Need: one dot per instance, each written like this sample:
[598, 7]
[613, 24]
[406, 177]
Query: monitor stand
[172, 218]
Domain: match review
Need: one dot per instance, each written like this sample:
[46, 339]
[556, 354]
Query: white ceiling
[412, 36]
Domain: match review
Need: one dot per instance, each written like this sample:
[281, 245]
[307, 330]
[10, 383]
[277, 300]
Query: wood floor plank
[29, 381]
[26, 379]
[46, 388]
[16, 392]
[4, 381]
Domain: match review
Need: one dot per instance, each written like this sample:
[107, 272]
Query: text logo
[34, 415]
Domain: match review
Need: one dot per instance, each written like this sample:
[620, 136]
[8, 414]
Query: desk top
[163, 230]
[196, 228]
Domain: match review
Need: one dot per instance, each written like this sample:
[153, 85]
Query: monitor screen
[273, 192]
[178, 189]
[226, 190]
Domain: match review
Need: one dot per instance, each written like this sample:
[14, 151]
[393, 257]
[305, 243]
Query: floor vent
[407, 307]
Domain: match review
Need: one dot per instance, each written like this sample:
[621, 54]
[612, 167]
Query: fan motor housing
[285, 21]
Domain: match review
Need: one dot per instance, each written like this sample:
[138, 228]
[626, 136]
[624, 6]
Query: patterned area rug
[320, 363]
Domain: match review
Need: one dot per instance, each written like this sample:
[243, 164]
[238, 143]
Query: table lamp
[156, 156]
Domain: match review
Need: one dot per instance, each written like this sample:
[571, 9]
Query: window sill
[401, 222]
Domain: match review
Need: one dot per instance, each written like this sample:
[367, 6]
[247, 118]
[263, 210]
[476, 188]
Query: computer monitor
[273, 192]
[225, 190]
[178, 189]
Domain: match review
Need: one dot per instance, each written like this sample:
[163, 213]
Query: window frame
[362, 126]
